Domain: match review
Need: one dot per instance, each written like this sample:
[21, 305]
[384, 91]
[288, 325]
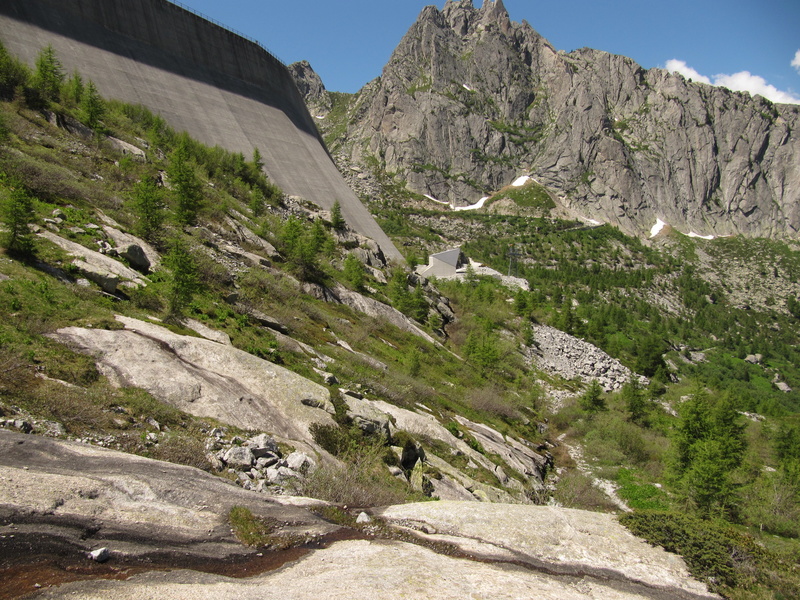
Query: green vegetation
[704, 478]
[149, 207]
[184, 279]
[17, 214]
[48, 77]
[260, 532]
[519, 134]
[337, 119]
[531, 195]
[731, 562]
[337, 220]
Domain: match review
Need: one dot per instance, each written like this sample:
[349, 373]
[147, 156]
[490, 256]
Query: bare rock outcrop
[80, 499]
[99, 268]
[368, 306]
[311, 88]
[88, 497]
[206, 378]
[565, 541]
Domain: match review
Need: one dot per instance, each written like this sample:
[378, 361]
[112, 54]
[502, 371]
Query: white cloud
[746, 82]
[685, 70]
[743, 81]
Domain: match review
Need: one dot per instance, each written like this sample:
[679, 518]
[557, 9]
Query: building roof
[450, 257]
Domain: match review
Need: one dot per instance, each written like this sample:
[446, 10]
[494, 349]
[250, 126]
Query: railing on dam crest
[226, 28]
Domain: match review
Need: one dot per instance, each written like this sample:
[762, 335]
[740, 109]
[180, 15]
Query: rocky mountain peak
[308, 82]
[470, 100]
[494, 11]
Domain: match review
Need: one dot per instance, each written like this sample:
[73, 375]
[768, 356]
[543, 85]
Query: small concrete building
[444, 264]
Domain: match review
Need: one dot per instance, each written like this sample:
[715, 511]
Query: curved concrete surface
[219, 87]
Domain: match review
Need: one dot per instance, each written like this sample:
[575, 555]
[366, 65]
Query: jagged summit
[462, 15]
[496, 11]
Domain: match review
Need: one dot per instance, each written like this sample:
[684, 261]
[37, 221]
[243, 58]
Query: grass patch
[531, 195]
[259, 532]
[640, 496]
[575, 490]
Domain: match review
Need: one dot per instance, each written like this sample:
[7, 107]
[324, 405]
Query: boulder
[239, 457]
[262, 445]
[135, 256]
[263, 319]
[98, 268]
[299, 461]
[100, 555]
[367, 416]
[122, 240]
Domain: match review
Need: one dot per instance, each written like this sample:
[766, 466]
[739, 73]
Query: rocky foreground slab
[62, 497]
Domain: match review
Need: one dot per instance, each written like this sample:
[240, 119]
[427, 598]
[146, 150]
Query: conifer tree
[17, 214]
[257, 201]
[258, 161]
[92, 106]
[635, 402]
[14, 74]
[184, 280]
[592, 400]
[521, 302]
[301, 245]
[337, 220]
[397, 290]
[48, 75]
[186, 188]
[74, 88]
[148, 204]
[354, 272]
[707, 481]
[707, 445]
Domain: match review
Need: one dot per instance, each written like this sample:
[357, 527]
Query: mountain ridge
[470, 100]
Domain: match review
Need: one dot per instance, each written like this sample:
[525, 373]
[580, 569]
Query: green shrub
[363, 481]
[336, 440]
[728, 560]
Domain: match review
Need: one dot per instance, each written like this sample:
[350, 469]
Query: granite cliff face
[471, 100]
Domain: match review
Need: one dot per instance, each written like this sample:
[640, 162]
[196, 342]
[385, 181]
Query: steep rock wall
[221, 88]
[471, 100]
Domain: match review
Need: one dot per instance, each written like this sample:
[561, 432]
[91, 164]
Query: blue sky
[742, 44]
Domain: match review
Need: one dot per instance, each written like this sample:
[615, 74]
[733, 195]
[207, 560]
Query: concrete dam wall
[202, 78]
